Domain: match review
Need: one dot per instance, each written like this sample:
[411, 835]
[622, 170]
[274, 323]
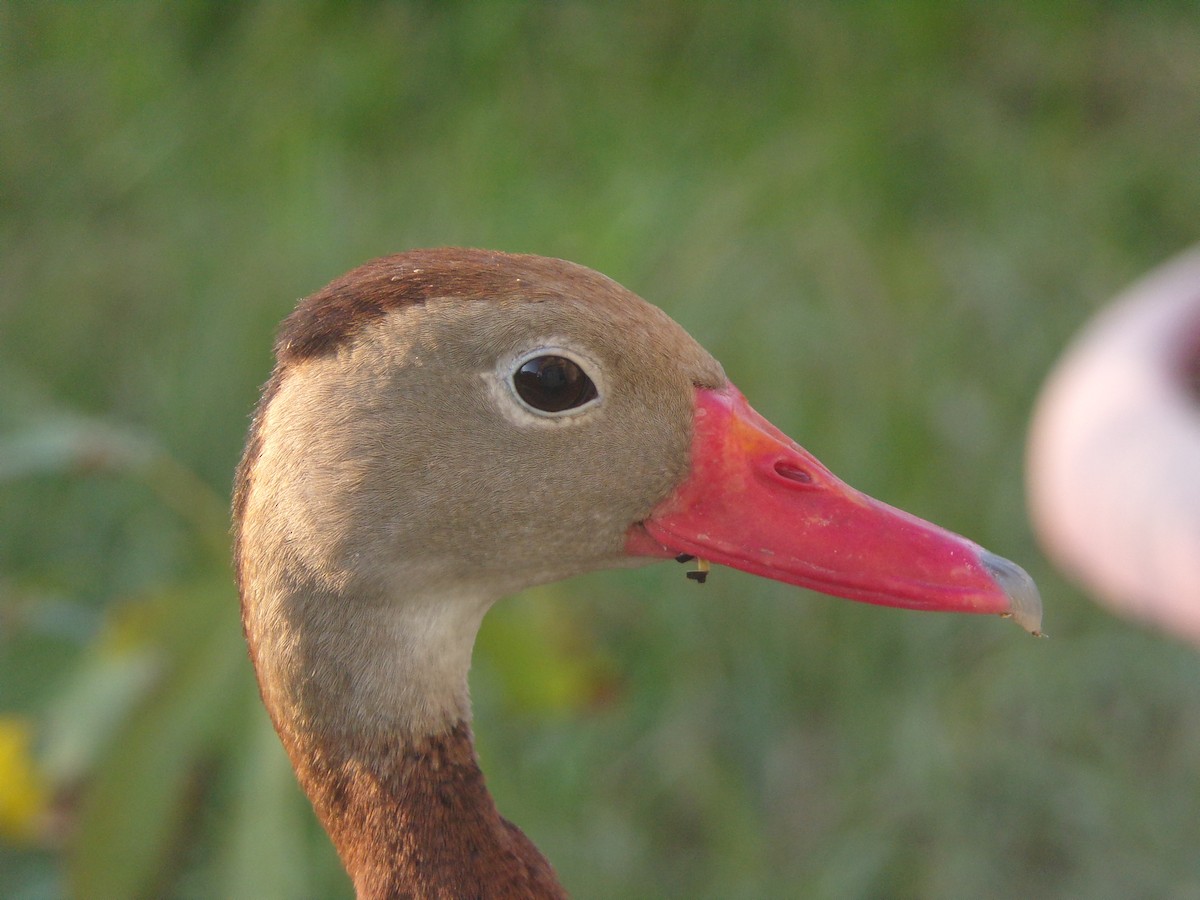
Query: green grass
[885, 219]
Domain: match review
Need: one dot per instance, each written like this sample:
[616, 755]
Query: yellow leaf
[23, 792]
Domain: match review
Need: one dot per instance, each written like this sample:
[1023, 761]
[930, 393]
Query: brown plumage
[406, 813]
[446, 427]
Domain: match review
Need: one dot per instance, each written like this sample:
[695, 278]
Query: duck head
[447, 427]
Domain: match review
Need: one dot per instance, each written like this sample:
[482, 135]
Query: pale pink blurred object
[1114, 453]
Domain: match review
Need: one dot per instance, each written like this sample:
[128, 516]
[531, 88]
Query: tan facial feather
[389, 494]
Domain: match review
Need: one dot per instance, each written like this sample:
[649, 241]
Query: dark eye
[553, 384]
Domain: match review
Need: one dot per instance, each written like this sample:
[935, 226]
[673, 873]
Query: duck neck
[369, 695]
[412, 817]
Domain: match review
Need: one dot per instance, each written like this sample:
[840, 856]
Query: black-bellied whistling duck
[446, 427]
[1114, 453]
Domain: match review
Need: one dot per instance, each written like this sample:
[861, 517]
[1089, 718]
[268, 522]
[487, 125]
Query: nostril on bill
[793, 472]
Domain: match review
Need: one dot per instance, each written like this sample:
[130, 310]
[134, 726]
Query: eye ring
[550, 382]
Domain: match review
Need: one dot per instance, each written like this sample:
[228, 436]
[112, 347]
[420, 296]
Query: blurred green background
[884, 218]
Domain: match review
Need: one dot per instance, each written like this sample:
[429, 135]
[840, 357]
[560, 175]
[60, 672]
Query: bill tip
[1025, 603]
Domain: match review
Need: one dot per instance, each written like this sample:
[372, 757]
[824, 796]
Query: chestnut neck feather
[412, 817]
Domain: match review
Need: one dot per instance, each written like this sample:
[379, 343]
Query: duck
[446, 427]
[1113, 455]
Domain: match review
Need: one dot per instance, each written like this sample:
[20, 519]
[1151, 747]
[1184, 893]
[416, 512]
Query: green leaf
[99, 697]
[137, 800]
[541, 655]
[72, 445]
[266, 844]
